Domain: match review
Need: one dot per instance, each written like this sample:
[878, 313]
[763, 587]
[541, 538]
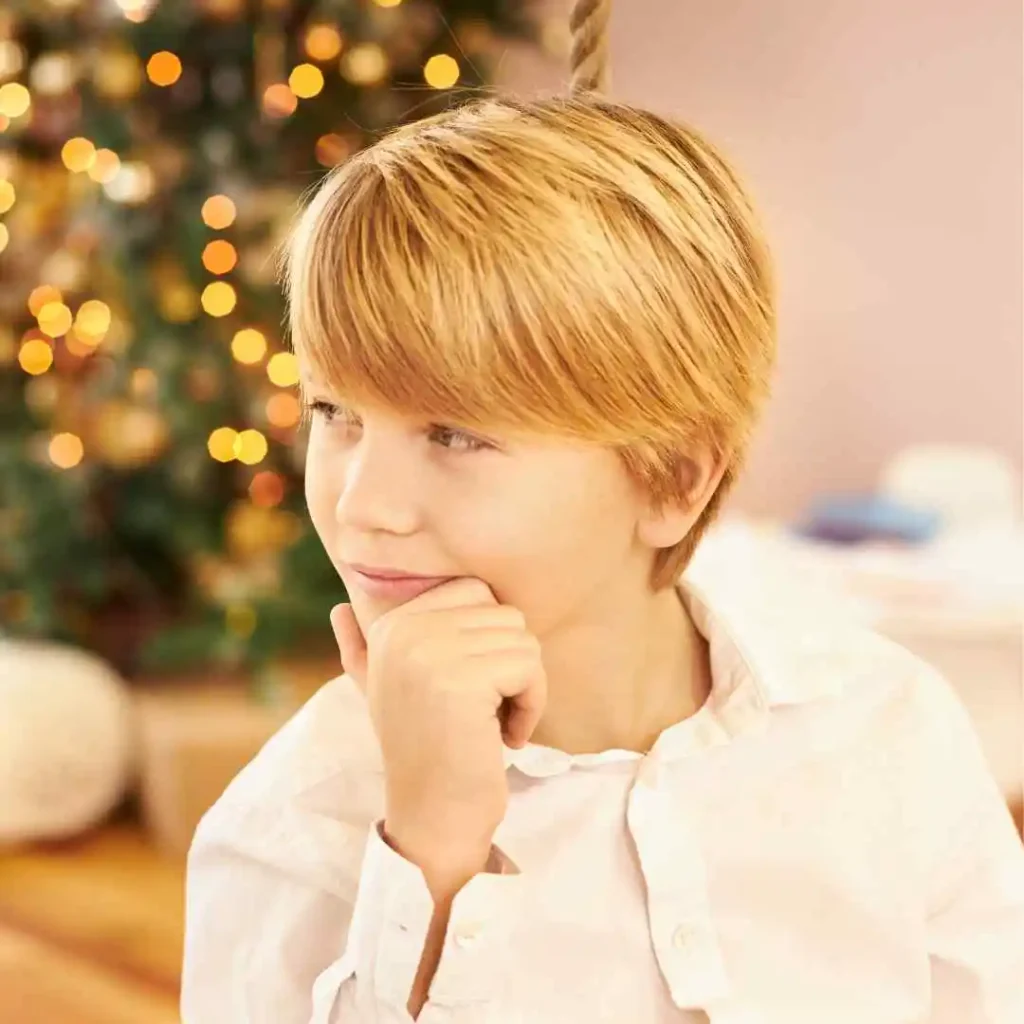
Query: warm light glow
[248, 345]
[250, 447]
[283, 370]
[441, 71]
[105, 166]
[221, 444]
[78, 154]
[266, 489]
[41, 295]
[364, 64]
[323, 42]
[143, 382]
[134, 182]
[93, 318]
[164, 68]
[283, 410]
[35, 356]
[218, 298]
[5, 237]
[12, 58]
[80, 345]
[218, 212]
[15, 99]
[7, 195]
[387, 3]
[54, 319]
[306, 80]
[66, 450]
[219, 256]
[53, 73]
[279, 100]
[331, 149]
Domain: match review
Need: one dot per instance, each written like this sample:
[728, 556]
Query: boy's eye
[330, 412]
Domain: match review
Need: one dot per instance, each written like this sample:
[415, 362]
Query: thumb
[351, 642]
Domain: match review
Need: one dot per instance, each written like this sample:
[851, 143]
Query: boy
[556, 783]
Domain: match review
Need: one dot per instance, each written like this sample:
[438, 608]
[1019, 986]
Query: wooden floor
[91, 932]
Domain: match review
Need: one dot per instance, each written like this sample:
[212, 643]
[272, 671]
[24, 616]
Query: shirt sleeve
[976, 911]
[268, 943]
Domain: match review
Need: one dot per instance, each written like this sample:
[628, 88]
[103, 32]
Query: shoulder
[309, 795]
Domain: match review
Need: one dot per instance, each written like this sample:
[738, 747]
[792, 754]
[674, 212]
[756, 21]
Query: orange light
[218, 298]
[283, 410]
[248, 345]
[221, 444]
[441, 71]
[78, 154]
[40, 296]
[306, 80]
[283, 370]
[66, 450]
[55, 319]
[331, 149]
[35, 356]
[105, 166]
[7, 195]
[164, 68]
[323, 42]
[250, 447]
[266, 489]
[219, 256]
[218, 212]
[15, 99]
[279, 100]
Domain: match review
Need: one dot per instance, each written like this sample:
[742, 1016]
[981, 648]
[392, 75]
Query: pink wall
[883, 139]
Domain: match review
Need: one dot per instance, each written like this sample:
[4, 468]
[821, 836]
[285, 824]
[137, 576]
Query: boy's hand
[446, 676]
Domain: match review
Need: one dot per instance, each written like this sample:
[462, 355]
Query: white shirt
[822, 843]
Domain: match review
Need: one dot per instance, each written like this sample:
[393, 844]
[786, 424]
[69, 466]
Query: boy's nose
[378, 494]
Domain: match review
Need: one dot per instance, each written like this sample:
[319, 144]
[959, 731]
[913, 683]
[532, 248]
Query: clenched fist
[447, 676]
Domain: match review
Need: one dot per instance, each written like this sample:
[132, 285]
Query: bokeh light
[218, 212]
[41, 295]
[279, 100]
[250, 447]
[218, 298]
[306, 80]
[78, 154]
[283, 410]
[365, 64]
[248, 345]
[163, 68]
[5, 237]
[105, 167]
[221, 444]
[35, 356]
[93, 318]
[323, 42]
[66, 450]
[266, 489]
[54, 319]
[8, 195]
[331, 149]
[441, 71]
[219, 256]
[283, 370]
[15, 99]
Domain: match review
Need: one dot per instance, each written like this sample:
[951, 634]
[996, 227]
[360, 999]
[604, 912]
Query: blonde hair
[566, 264]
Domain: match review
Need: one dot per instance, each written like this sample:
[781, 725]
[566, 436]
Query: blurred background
[163, 602]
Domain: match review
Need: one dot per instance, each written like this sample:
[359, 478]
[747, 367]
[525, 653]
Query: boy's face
[544, 522]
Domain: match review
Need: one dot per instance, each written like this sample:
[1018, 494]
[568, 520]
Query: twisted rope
[588, 24]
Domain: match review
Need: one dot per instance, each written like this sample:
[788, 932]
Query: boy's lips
[392, 584]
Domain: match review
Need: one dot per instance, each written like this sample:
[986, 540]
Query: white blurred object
[967, 486]
[66, 734]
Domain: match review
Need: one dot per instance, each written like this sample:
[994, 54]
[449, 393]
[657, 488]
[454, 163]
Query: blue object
[841, 519]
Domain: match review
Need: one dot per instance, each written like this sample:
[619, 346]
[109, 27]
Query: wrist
[447, 862]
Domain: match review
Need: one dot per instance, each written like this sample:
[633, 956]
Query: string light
[41, 295]
[15, 99]
[323, 42]
[219, 256]
[221, 444]
[78, 154]
[54, 319]
[218, 212]
[306, 80]
[66, 450]
[279, 100]
[35, 356]
[105, 166]
[283, 370]
[250, 447]
[441, 71]
[248, 345]
[7, 195]
[365, 64]
[163, 68]
[283, 410]
[218, 298]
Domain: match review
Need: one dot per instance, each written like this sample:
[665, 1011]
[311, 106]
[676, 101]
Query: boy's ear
[699, 472]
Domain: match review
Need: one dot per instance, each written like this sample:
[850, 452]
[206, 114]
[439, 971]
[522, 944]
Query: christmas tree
[152, 155]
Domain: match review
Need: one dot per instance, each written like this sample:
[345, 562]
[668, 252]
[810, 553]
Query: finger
[484, 617]
[351, 643]
[496, 640]
[461, 592]
[522, 681]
